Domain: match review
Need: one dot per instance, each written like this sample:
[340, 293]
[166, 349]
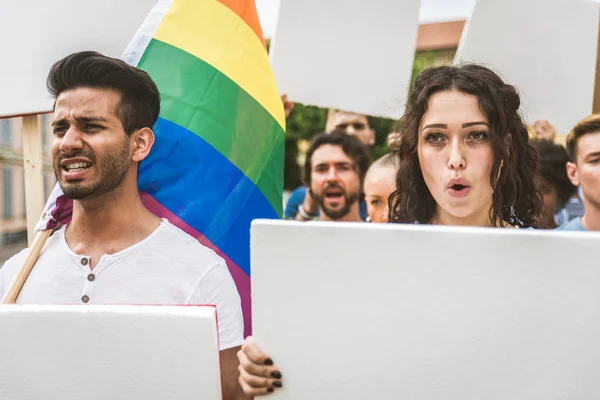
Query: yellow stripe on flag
[212, 32]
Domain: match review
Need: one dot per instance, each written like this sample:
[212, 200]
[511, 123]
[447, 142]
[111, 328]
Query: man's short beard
[335, 215]
[114, 170]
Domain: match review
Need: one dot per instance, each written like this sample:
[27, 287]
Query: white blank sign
[35, 34]
[546, 48]
[108, 352]
[353, 55]
[369, 311]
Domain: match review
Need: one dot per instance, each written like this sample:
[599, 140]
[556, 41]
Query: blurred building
[13, 223]
[441, 38]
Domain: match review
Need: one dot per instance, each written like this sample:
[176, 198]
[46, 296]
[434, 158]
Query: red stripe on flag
[246, 10]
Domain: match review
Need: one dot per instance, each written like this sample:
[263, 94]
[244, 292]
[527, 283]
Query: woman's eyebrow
[441, 126]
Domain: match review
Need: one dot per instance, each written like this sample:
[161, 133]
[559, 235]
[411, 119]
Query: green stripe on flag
[203, 100]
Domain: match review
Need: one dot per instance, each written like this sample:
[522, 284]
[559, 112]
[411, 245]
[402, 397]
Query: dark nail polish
[270, 390]
[268, 361]
[277, 384]
[276, 375]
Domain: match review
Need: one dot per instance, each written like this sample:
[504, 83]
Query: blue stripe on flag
[204, 189]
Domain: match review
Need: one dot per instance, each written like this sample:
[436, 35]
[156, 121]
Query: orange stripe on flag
[246, 10]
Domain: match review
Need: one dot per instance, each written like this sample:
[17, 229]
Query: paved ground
[7, 251]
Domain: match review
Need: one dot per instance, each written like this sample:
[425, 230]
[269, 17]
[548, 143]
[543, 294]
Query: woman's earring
[500, 171]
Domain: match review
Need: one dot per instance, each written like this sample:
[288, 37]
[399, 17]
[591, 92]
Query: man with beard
[353, 124]
[336, 164]
[115, 251]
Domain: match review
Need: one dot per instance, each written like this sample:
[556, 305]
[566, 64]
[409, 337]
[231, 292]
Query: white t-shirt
[169, 267]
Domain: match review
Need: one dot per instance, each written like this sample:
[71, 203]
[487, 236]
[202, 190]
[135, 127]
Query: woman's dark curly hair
[515, 199]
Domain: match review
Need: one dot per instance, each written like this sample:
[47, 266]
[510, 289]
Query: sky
[431, 11]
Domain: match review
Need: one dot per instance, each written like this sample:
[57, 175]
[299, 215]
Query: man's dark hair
[553, 161]
[140, 100]
[350, 145]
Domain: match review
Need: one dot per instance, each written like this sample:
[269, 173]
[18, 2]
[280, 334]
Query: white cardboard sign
[547, 49]
[108, 352]
[35, 34]
[373, 311]
[352, 55]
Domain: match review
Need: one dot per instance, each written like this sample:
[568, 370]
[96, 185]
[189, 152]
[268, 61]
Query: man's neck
[109, 223]
[591, 218]
[352, 216]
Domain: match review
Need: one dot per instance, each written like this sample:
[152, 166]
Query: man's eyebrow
[592, 154]
[90, 119]
[80, 120]
[60, 121]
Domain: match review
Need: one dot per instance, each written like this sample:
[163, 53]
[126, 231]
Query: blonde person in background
[380, 183]
[544, 130]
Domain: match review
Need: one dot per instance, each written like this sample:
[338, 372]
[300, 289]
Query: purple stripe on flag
[242, 281]
[62, 212]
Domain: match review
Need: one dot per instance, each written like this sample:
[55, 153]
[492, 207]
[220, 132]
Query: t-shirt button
[85, 298]
[84, 261]
[91, 277]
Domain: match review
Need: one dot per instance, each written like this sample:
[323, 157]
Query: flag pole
[33, 164]
[33, 253]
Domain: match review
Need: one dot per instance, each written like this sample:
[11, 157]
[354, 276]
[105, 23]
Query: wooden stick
[596, 107]
[33, 164]
[34, 252]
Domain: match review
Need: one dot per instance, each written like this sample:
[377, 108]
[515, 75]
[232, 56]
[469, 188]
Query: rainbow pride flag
[217, 161]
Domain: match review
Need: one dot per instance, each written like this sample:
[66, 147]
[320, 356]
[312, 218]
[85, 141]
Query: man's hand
[288, 106]
[258, 375]
[309, 205]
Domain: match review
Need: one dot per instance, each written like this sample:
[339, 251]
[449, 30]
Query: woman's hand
[258, 375]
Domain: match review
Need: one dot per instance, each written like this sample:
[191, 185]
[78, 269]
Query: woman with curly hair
[463, 159]
[463, 156]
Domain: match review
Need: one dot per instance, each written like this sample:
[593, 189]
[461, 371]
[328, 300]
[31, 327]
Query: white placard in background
[386, 311]
[109, 352]
[35, 34]
[353, 55]
[547, 49]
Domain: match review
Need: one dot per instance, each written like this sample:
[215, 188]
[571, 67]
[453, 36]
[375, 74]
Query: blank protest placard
[547, 49]
[35, 34]
[390, 311]
[352, 55]
[109, 352]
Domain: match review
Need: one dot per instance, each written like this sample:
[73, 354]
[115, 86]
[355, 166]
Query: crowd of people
[440, 159]
[461, 155]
